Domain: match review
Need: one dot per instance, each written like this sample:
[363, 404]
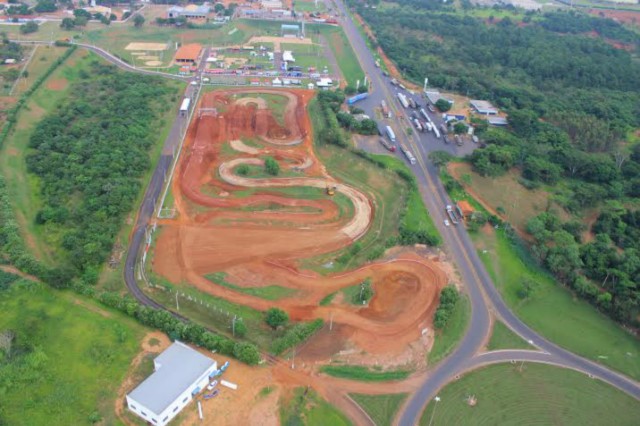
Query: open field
[306, 407]
[584, 330]
[41, 61]
[381, 408]
[503, 338]
[343, 52]
[509, 394]
[23, 187]
[503, 193]
[70, 355]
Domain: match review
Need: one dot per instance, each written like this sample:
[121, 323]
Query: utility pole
[293, 359]
[177, 306]
[233, 326]
[331, 322]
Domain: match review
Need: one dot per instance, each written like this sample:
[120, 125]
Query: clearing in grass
[306, 407]
[503, 338]
[509, 394]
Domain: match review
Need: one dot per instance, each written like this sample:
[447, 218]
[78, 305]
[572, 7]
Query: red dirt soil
[261, 247]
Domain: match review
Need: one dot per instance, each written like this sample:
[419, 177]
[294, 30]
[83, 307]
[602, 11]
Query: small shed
[483, 107]
[497, 121]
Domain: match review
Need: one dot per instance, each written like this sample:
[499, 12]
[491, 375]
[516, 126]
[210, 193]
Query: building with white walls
[179, 374]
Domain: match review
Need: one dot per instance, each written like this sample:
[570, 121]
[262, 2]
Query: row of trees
[449, 297]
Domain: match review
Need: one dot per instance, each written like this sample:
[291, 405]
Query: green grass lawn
[363, 374]
[345, 56]
[503, 338]
[42, 59]
[553, 311]
[381, 408]
[532, 394]
[271, 292]
[75, 355]
[307, 408]
[447, 339]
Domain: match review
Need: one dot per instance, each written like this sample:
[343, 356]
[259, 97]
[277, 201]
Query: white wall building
[180, 373]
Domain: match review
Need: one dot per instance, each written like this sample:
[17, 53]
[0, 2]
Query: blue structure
[352, 100]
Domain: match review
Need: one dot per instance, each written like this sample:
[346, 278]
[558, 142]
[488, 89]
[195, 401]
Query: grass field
[271, 292]
[343, 52]
[363, 374]
[503, 338]
[381, 408]
[536, 394]
[70, 357]
[40, 63]
[21, 186]
[308, 55]
[505, 193]
[447, 338]
[305, 407]
[553, 311]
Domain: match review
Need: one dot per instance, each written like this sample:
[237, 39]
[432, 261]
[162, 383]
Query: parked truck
[391, 134]
[408, 154]
[458, 140]
[387, 145]
[417, 125]
[394, 81]
[352, 100]
[452, 215]
[424, 114]
[412, 103]
[444, 129]
[403, 100]
[385, 109]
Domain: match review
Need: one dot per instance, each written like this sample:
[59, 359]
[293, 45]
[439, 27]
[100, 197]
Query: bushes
[449, 296]
[296, 334]
[275, 317]
[271, 166]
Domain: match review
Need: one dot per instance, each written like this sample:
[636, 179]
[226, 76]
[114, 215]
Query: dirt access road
[248, 228]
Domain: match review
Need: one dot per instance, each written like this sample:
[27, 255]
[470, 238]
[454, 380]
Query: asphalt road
[480, 289]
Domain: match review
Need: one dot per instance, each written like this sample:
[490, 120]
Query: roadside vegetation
[569, 117]
[306, 407]
[509, 394]
[449, 298]
[364, 374]
[64, 351]
[381, 408]
[447, 338]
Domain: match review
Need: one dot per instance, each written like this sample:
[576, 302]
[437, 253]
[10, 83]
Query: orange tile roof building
[189, 53]
[464, 208]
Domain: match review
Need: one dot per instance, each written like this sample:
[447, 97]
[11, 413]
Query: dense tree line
[571, 97]
[606, 270]
[9, 49]
[89, 155]
[449, 297]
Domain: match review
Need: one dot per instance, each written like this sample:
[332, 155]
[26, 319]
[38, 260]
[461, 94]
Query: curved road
[482, 293]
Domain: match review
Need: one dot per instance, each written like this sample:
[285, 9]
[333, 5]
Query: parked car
[446, 222]
[212, 394]
[212, 385]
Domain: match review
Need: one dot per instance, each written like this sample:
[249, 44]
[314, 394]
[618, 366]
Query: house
[179, 374]
[497, 121]
[434, 96]
[483, 107]
[191, 11]
[464, 209]
[189, 53]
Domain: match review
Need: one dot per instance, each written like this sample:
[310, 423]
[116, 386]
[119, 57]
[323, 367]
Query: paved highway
[481, 291]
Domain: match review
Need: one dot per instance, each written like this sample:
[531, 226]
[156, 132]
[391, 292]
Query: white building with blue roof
[179, 374]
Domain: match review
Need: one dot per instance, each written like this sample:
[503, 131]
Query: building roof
[483, 107]
[177, 368]
[465, 207]
[287, 56]
[434, 96]
[497, 121]
[189, 52]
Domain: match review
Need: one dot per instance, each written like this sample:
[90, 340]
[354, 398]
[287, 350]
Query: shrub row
[295, 335]
[448, 299]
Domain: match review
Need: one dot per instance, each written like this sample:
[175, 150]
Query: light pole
[433, 413]
[177, 306]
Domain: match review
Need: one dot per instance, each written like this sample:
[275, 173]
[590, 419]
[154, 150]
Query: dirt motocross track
[256, 233]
